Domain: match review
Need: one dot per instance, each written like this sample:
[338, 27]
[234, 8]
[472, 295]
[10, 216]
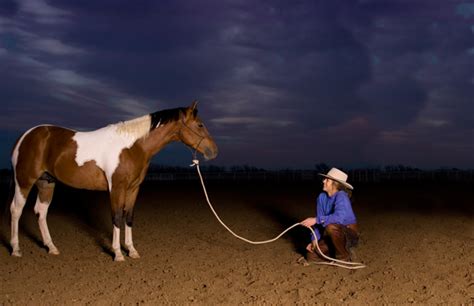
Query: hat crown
[337, 174]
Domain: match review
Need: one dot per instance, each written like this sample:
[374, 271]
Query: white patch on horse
[105, 145]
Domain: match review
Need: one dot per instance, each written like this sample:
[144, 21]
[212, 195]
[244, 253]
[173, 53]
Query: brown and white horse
[114, 158]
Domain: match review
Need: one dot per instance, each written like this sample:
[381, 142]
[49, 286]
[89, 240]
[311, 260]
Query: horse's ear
[194, 105]
[192, 110]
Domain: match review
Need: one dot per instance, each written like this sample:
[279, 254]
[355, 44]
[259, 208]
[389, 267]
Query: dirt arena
[417, 242]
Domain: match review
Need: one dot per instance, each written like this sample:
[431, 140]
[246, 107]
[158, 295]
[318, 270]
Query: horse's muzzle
[210, 154]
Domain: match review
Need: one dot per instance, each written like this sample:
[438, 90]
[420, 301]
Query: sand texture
[417, 242]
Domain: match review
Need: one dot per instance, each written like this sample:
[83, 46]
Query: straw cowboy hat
[338, 176]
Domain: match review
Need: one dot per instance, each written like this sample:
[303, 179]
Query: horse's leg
[16, 208]
[45, 195]
[130, 203]
[116, 244]
[27, 163]
[117, 200]
[132, 252]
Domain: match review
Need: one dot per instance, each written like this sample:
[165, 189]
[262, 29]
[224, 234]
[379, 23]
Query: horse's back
[41, 138]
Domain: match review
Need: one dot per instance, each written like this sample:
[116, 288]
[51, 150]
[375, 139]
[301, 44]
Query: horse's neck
[158, 138]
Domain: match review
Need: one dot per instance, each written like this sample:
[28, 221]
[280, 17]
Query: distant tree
[321, 168]
[215, 169]
[236, 169]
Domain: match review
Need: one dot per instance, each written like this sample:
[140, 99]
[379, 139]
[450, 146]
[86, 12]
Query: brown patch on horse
[29, 166]
[45, 190]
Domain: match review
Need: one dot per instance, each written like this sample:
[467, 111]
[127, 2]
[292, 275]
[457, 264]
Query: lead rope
[333, 261]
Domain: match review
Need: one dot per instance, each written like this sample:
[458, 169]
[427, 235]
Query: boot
[315, 255]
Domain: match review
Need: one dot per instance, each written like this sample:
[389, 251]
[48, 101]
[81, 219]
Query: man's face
[328, 186]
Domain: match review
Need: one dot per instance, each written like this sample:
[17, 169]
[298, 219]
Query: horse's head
[194, 134]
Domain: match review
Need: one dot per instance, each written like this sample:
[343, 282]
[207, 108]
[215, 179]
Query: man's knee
[333, 229]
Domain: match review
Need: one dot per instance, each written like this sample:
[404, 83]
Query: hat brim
[339, 181]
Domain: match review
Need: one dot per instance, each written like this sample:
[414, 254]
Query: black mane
[167, 115]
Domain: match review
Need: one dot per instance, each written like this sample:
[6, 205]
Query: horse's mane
[164, 116]
[141, 126]
[137, 127]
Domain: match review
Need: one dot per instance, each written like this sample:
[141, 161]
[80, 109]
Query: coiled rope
[332, 261]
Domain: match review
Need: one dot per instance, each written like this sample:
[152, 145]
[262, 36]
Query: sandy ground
[417, 242]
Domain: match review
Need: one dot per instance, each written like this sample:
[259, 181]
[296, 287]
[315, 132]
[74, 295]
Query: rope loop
[332, 261]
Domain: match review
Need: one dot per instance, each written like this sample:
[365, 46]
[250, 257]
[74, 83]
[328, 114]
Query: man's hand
[308, 222]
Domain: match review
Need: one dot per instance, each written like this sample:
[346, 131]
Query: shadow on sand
[298, 236]
[90, 211]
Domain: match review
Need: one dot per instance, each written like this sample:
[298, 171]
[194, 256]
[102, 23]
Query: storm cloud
[280, 84]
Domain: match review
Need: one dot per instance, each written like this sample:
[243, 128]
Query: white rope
[333, 261]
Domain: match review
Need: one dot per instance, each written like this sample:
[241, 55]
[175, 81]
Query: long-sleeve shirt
[333, 210]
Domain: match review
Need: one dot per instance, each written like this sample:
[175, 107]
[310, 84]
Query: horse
[114, 158]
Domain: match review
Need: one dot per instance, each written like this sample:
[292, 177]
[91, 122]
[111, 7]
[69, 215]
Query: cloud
[395, 103]
[132, 106]
[69, 77]
[465, 9]
[34, 58]
[42, 12]
[332, 77]
[253, 121]
[54, 47]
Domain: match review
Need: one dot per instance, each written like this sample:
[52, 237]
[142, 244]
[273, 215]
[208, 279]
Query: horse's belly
[87, 176]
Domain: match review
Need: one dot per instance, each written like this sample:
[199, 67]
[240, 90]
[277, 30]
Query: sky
[280, 84]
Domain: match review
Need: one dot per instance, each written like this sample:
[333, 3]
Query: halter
[194, 132]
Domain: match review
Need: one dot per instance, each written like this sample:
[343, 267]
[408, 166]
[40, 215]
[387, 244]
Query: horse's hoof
[134, 255]
[53, 251]
[16, 253]
[119, 258]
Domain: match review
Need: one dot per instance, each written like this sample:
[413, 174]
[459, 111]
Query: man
[335, 224]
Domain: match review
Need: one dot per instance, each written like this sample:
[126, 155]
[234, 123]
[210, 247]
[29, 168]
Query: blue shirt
[333, 210]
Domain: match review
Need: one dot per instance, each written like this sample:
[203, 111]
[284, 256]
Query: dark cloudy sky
[280, 83]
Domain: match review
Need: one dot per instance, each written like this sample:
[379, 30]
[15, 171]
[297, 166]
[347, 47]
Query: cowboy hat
[338, 176]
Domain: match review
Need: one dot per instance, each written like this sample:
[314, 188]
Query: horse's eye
[200, 125]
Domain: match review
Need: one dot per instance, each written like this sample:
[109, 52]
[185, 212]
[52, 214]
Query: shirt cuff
[316, 232]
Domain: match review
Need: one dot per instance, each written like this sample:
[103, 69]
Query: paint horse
[114, 158]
